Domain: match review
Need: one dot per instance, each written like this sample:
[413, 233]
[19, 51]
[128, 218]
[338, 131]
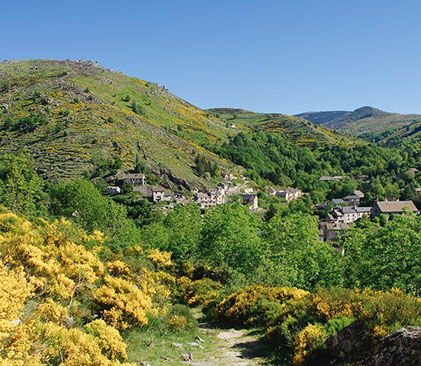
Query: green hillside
[371, 123]
[302, 132]
[74, 116]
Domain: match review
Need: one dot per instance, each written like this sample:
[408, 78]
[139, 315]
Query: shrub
[309, 339]
[199, 292]
[179, 318]
[253, 305]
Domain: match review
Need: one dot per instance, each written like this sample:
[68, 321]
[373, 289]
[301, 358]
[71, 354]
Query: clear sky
[263, 55]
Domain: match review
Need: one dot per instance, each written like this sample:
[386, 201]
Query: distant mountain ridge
[370, 123]
[320, 118]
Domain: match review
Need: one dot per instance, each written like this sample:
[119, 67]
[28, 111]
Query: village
[341, 212]
[347, 210]
[166, 200]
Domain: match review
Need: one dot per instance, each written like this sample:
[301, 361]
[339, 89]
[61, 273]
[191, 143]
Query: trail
[236, 347]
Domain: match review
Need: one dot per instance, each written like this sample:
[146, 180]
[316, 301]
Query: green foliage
[21, 189]
[335, 325]
[179, 232]
[204, 166]
[137, 108]
[80, 201]
[384, 257]
[230, 239]
[298, 258]
[274, 158]
[24, 124]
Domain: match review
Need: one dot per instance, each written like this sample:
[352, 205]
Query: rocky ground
[235, 347]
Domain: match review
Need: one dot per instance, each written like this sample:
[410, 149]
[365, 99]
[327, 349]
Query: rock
[177, 345]
[165, 358]
[144, 363]
[200, 340]
[15, 322]
[187, 357]
[402, 347]
[348, 345]
[195, 344]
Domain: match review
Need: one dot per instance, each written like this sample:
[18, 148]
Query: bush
[200, 292]
[137, 108]
[254, 305]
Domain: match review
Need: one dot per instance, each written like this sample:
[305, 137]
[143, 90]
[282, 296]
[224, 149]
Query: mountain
[371, 123]
[301, 131]
[74, 116]
[322, 117]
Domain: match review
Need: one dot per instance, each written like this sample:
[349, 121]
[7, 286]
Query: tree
[409, 193]
[230, 239]
[178, 233]
[80, 201]
[384, 257]
[293, 245]
[21, 189]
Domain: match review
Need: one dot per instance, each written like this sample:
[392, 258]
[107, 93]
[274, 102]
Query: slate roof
[355, 194]
[363, 209]
[133, 176]
[396, 206]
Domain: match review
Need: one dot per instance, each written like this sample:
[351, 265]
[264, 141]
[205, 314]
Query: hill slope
[71, 116]
[301, 131]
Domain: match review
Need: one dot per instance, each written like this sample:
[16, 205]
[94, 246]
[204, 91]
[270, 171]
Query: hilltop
[74, 116]
[372, 123]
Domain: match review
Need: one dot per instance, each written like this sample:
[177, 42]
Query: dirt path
[235, 347]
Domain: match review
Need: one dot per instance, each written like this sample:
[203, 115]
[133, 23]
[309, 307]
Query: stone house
[393, 208]
[332, 231]
[347, 214]
[251, 200]
[158, 194]
[113, 190]
[135, 179]
[354, 198]
[212, 198]
[338, 202]
[289, 194]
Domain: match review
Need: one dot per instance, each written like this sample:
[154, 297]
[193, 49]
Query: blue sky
[262, 55]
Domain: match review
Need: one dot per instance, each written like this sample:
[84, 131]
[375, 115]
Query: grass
[154, 345]
[158, 350]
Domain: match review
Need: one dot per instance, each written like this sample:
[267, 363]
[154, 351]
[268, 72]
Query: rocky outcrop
[350, 344]
[401, 348]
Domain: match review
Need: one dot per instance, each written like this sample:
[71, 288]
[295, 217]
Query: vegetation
[273, 158]
[389, 129]
[93, 279]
